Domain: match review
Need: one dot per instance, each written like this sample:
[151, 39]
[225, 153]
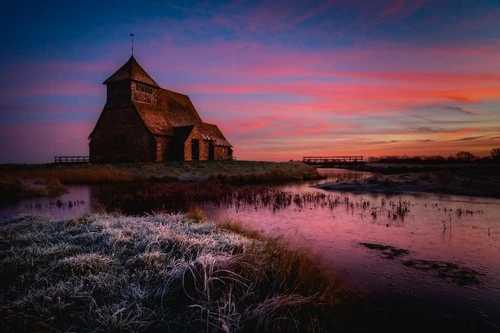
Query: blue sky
[282, 79]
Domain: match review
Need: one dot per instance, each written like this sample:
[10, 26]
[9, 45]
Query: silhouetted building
[143, 122]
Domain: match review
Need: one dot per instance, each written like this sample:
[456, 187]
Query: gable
[182, 133]
[117, 119]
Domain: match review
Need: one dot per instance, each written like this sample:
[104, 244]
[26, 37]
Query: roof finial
[132, 35]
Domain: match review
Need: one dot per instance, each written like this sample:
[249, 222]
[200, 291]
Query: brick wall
[194, 135]
[163, 148]
[121, 137]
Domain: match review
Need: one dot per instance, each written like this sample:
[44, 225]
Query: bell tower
[130, 83]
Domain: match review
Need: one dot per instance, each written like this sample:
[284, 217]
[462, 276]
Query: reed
[175, 197]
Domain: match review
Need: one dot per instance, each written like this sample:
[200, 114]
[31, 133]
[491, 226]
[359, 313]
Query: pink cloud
[356, 98]
[40, 141]
[367, 148]
[400, 9]
[54, 87]
[47, 109]
[393, 57]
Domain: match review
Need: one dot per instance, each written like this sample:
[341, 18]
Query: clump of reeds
[12, 189]
[181, 197]
[196, 214]
[159, 273]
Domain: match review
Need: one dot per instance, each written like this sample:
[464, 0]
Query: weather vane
[132, 35]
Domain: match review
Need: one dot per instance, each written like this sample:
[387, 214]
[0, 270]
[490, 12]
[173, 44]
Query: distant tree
[495, 153]
[465, 156]
[435, 159]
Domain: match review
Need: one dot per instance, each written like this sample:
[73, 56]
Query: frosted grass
[103, 273]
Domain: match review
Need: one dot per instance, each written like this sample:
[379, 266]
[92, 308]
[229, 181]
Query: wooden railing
[71, 159]
[225, 157]
[332, 160]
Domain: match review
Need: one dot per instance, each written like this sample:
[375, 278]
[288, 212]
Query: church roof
[211, 132]
[131, 70]
[178, 108]
[171, 114]
[155, 119]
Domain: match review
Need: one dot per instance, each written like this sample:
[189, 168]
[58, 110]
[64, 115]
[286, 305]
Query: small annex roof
[131, 70]
[211, 132]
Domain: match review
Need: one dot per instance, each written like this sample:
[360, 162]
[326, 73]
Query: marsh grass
[12, 188]
[196, 214]
[184, 197]
[461, 179]
[13, 181]
[104, 273]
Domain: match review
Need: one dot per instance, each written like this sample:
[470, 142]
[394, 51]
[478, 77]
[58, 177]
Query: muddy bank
[460, 179]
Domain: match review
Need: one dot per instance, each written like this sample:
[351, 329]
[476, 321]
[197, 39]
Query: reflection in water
[74, 203]
[440, 229]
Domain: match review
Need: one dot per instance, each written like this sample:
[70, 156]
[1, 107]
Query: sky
[282, 79]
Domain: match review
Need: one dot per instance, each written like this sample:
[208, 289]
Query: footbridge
[332, 161]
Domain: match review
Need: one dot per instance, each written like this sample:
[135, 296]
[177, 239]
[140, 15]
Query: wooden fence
[71, 159]
[332, 160]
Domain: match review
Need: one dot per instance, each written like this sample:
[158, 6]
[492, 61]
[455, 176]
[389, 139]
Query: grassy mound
[104, 273]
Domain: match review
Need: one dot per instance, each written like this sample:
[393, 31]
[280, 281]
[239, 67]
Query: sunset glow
[282, 79]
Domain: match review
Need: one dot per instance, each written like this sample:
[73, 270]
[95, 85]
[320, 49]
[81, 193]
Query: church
[142, 122]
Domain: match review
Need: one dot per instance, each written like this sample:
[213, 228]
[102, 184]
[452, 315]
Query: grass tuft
[196, 214]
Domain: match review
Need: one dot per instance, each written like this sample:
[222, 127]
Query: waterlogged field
[438, 252]
[430, 253]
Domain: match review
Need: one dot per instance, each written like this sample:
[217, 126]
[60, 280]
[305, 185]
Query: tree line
[460, 157]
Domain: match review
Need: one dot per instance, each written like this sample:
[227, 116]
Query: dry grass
[16, 179]
[12, 188]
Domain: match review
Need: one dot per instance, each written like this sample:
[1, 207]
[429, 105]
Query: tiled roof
[154, 118]
[178, 107]
[173, 114]
[131, 70]
[212, 133]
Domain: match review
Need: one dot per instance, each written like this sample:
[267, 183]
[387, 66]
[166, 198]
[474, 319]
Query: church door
[195, 150]
[211, 151]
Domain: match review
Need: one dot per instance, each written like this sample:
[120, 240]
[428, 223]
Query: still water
[435, 230]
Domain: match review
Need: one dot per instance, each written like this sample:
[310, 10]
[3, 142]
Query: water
[434, 229]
